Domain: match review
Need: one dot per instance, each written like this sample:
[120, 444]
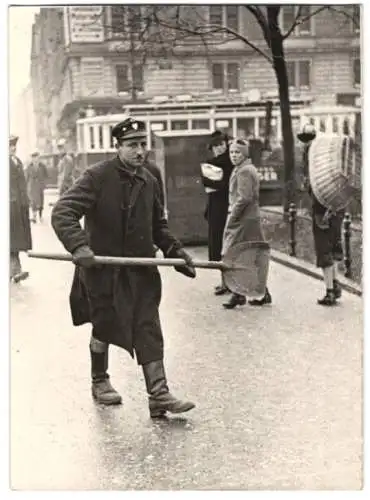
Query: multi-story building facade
[86, 57]
[23, 124]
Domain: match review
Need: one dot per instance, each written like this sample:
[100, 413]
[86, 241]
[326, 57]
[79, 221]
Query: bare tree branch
[211, 29]
[353, 18]
[261, 20]
[294, 23]
[298, 20]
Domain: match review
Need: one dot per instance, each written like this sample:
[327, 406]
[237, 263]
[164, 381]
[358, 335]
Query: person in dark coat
[326, 229]
[65, 167]
[215, 176]
[20, 229]
[36, 176]
[120, 200]
[155, 171]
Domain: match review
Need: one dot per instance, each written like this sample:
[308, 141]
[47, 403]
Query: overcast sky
[20, 30]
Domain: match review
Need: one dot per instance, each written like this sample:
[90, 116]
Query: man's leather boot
[160, 399]
[101, 388]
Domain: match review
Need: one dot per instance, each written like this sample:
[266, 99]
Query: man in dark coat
[215, 178]
[120, 201]
[326, 228]
[20, 230]
[65, 167]
[36, 177]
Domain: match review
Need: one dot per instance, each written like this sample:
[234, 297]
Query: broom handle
[131, 261]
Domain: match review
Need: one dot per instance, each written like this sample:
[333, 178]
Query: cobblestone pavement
[278, 390]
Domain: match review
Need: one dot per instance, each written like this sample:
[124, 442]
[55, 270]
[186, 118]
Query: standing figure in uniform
[326, 228]
[20, 229]
[36, 176]
[243, 222]
[120, 200]
[215, 178]
[65, 168]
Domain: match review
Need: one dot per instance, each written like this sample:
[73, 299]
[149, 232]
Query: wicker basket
[335, 170]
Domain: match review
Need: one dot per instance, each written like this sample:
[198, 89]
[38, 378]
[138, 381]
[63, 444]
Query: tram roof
[175, 114]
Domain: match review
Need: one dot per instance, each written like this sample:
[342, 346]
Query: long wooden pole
[132, 261]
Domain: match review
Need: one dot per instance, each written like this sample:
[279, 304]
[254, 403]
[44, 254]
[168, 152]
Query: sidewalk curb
[310, 270]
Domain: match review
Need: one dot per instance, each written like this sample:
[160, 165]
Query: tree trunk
[132, 66]
[287, 131]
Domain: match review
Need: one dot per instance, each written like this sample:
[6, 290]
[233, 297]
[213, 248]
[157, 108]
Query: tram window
[345, 127]
[200, 124]
[261, 126]
[179, 125]
[101, 143]
[335, 124]
[110, 136]
[158, 126]
[81, 136]
[92, 142]
[245, 127]
[322, 125]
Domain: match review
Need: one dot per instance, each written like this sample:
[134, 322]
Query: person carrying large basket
[329, 170]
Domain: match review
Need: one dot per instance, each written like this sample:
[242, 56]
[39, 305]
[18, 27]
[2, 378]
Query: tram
[178, 135]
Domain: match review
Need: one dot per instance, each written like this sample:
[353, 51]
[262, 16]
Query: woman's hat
[13, 139]
[217, 138]
[242, 145]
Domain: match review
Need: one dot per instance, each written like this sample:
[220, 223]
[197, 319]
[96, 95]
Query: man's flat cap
[129, 129]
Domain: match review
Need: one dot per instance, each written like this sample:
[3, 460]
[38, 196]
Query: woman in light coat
[244, 221]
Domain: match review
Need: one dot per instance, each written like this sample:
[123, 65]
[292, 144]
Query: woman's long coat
[36, 175]
[218, 202]
[20, 230]
[244, 221]
[123, 217]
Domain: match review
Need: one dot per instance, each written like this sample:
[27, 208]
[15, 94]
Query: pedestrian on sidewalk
[120, 200]
[20, 229]
[65, 168]
[36, 176]
[215, 175]
[326, 229]
[243, 222]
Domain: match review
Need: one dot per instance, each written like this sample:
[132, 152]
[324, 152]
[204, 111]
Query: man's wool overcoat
[20, 230]
[123, 217]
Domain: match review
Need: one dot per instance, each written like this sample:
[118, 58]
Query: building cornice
[111, 49]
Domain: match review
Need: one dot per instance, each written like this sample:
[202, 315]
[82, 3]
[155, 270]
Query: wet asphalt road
[278, 390]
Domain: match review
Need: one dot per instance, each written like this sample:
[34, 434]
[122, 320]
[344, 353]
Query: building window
[125, 19]
[299, 74]
[225, 15]
[122, 78]
[288, 16]
[118, 13]
[356, 16]
[225, 76]
[357, 72]
[138, 78]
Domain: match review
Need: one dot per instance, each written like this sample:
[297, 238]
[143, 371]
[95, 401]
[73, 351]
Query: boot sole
[112, 402]
[161, 412]
[21, 276]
